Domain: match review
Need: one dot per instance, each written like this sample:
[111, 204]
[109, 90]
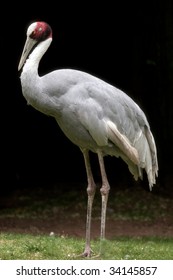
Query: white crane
[93, 114]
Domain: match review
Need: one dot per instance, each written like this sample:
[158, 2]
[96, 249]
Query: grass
[127, 204]
[41, 247]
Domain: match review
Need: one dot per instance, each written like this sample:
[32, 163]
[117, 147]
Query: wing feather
[122, 142]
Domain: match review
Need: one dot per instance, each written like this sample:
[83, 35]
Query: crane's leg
[104, 193]
[91, 192]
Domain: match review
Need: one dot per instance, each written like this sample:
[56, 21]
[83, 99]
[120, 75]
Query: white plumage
[93, 114]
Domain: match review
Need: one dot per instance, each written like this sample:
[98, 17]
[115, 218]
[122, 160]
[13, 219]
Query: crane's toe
[87, 252]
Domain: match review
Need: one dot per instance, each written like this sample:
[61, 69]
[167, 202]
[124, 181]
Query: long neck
[32, 63]
[30, 80]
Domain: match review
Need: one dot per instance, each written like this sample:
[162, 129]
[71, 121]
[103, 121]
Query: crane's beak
[26, 51]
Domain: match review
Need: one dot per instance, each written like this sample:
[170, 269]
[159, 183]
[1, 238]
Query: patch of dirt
[62, 219]
[76, 227]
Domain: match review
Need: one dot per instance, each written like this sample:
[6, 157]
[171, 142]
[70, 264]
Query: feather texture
[93, 114]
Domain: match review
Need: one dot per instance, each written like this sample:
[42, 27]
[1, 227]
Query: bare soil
[36, 211]
[76, 227]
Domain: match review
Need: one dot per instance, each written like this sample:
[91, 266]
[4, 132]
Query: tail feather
[146, 148]
[139, 155]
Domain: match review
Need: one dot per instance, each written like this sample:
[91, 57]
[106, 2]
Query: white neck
[32, 63]
[30, 80]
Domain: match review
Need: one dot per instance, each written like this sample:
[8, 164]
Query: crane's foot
[87, 252]
[91, 255]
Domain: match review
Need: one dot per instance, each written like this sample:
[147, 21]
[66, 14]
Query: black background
[128, 44]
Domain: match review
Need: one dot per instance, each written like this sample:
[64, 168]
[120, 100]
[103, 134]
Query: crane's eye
[37, 33]
[33, 34]
[41, 32]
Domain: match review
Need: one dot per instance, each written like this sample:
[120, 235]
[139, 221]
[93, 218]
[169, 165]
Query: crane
[93, 114]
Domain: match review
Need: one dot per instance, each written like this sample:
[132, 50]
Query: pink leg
[104, 193]
[91, 192]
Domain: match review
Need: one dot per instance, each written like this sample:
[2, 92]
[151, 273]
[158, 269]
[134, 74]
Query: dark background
[128, 44]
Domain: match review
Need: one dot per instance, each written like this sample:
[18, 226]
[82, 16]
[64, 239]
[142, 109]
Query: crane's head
[36, 33]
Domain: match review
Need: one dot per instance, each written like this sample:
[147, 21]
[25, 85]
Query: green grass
[41, 247]
[129, 204]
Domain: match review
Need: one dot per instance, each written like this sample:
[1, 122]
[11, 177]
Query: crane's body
[93, 114]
